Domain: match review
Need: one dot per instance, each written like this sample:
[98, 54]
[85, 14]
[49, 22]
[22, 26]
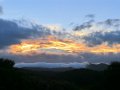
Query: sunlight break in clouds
[65, 45]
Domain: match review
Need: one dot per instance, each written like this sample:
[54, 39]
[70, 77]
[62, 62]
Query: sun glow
[64, 45]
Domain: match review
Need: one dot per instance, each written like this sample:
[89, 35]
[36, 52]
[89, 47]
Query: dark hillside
[77, 79]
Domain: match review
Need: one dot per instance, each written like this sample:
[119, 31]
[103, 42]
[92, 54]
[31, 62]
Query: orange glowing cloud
[65, 45]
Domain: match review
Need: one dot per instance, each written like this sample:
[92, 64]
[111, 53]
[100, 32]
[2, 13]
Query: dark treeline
[78, 79]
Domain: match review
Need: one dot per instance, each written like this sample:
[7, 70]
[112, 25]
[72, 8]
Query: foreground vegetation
[78, 79]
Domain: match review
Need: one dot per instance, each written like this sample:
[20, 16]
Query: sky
[65, 32]
[61, 12]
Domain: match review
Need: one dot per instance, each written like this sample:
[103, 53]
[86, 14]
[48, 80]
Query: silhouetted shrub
[6, 63]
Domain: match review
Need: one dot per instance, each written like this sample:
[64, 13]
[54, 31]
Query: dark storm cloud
[12, 33]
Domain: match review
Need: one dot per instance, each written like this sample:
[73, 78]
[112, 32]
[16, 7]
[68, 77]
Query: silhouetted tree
[6, 63]
[114, 66]
[113, 76]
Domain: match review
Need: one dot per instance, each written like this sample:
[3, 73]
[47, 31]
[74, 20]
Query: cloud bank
[53, 65]
[28, 42]
[13, 33]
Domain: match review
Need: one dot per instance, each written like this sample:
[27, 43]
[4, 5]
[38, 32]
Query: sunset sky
[60, 31]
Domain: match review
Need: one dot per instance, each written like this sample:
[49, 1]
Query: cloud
[92, 41]
[91, 16]
[97, 38]
[100, 58]
[52, 58]
[85, 25]
[12, 33]
[54, 27]
[96, 33]
[53, 65]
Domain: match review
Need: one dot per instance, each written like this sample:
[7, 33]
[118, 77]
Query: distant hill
[97, 67]
[48, 69]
